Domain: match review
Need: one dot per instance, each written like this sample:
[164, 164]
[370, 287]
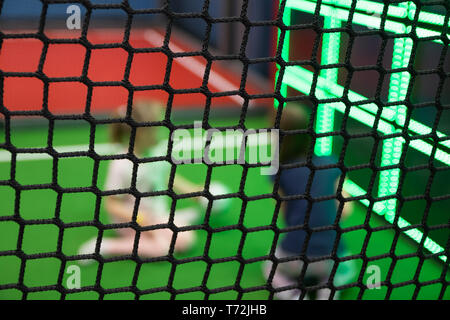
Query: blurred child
[301, 180]
[150, 177]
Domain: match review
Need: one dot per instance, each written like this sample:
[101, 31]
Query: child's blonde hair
[143, 111]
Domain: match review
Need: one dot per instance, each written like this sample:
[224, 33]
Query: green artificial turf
[80, 206]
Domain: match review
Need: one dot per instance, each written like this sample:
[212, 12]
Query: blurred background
[69, 98]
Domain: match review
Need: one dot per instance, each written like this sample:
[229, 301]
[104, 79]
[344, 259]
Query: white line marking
[111, 149]
[101, 148]
[196, 67]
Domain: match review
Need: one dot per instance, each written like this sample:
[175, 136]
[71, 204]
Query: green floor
[77, 172]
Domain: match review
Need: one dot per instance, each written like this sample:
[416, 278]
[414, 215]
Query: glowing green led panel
[356, 191]
[324, 86]
[325, 113]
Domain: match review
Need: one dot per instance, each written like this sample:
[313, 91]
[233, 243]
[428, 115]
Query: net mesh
[388, 117]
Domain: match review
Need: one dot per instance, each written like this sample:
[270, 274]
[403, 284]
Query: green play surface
[80, 206]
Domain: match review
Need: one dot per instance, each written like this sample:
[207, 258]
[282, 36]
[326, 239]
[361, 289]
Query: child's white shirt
[150, 177]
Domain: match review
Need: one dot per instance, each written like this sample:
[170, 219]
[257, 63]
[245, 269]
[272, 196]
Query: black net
[383, 113]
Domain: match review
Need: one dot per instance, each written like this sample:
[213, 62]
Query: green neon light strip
[378, 8]
[426, 148]
[425, 33]
[325, 114]
[431, 18]
[392, 148]
[286, 44]
[303, 84]
[368, 6]
[284, 52]
[337, 91]
[363, 19]
[422, 129]
[387, 113]
[327, 87]
[343, 14]
[355, 191]
[389, 179]
[399, 81]
[301, 79]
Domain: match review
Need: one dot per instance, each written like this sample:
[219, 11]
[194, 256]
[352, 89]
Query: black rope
[308, 262]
